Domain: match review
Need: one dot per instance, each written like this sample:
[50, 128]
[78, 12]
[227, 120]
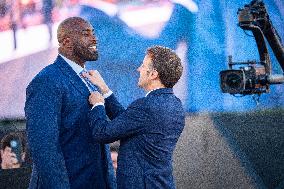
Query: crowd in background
[24, 12]
[33, 12]
[20, 14]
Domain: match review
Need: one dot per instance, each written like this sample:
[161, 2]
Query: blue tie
[91, 86]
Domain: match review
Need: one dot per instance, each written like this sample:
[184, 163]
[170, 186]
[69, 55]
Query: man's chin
[94, 57]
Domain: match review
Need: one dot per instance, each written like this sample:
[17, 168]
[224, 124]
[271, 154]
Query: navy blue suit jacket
[63, 151]
[148, 131]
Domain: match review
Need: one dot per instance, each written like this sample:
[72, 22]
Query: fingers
[14, 160]
[93, 72]
[96, 97]
[86, 74]
[93, 76]
[96, 94]
[92, 79]
[96, 74]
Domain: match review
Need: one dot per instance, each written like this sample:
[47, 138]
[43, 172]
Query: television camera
[252, 77]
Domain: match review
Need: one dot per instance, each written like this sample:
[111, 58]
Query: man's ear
[2, 153]
[67, 42]
[154, 74]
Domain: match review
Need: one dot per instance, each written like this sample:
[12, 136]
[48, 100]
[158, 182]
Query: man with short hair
[149, 128]
[63, 151]
[11, 159]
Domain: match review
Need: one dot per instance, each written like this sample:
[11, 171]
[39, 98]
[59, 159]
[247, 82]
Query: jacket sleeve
[132, 121]
[113, 107]
[42, 110]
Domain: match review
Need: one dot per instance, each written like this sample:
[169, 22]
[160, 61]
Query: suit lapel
[71, 75]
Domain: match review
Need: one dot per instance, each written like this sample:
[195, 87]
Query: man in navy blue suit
[149, 128]
[63, 151]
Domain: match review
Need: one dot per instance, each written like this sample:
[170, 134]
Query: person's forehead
[84, 26]
[147, 59]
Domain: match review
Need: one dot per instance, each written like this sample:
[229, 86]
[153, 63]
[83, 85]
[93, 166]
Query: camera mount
[254, 77]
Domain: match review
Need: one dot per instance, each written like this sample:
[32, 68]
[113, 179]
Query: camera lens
[234, 81]
[13, 143]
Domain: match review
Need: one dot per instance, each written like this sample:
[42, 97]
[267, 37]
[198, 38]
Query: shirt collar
[77, 68]
[151, 91]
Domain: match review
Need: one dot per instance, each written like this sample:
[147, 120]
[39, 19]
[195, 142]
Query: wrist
[104, 89]
[96, 102]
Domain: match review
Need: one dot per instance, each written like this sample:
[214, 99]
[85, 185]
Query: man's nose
[94, 39]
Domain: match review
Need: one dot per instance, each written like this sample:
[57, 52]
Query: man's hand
[96, 97]
[95, 77]
[9, 159]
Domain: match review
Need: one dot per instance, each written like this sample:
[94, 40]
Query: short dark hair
[114, 147]
[6, 140]
[167, 63]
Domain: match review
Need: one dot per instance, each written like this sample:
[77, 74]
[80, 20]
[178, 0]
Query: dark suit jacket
[148, 131]
[63, 151]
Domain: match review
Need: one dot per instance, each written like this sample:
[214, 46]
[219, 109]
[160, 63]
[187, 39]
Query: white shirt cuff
[98, 104]
[107, 94]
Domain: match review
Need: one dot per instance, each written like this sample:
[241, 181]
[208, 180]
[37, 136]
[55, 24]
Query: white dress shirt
[78, 69]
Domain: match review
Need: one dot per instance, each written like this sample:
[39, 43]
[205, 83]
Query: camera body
[16, 147]
[249, 78]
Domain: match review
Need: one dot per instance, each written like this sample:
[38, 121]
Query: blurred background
[228, 142]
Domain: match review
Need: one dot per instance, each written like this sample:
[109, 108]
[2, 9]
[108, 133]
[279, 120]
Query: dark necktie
[91, 86]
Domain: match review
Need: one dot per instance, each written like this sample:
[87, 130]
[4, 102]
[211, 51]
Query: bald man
[63, 151]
